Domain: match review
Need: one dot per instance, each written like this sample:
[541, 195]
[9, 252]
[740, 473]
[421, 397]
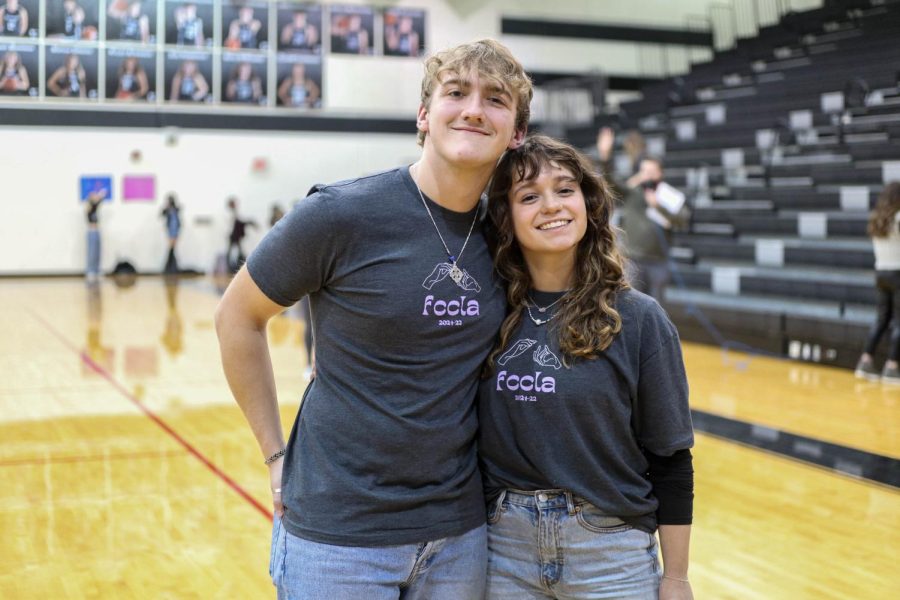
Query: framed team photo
[188, 76]
[131, 75]
[189, 23]
[20, 18]
[71, 72]
[19, 69]
[300, 28]
[299, 81]
[244, 78]
[131, 21]
[404, 32]
[73, 20]
[245, 26]
[352, 30]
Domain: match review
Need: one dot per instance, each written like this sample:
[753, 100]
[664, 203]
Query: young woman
[13, 75]
[245, 86]
[884, 227]
[69, 80]
[171, 214]
[188, 84]
[297, 90]
[585, 426]
[132, 78]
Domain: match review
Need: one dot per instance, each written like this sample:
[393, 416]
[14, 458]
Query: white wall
[348, 78]
[44, 224]
[43, 229]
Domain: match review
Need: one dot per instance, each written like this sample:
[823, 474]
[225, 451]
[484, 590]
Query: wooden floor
[126, 470]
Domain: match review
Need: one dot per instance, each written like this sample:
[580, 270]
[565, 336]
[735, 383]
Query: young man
[377, 492]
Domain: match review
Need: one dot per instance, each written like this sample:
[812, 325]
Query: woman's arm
[672, 478]
[313, 90]
[52, 84]
[675, 541]
[143, 84]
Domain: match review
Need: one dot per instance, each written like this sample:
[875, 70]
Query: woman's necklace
[541, 309]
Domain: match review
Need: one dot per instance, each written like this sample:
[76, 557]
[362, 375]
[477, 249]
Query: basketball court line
[54, 460]
[159, 421]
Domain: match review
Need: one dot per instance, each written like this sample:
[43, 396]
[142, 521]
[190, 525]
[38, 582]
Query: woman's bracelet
[675, 579]
[276, 456]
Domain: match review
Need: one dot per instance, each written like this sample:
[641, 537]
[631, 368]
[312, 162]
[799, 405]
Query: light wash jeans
[445, 569]
[93, 252]
[549, 544]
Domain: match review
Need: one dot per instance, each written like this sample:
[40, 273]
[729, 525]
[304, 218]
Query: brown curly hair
[882, 218]
[588, 322]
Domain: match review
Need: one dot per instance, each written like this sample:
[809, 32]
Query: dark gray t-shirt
[582, 428]
[382, 451]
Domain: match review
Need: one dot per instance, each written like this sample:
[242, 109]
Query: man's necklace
[456, 274]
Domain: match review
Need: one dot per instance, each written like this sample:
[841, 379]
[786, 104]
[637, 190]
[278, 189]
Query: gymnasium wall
[40, 166]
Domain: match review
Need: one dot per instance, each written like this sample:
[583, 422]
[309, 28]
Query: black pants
[887, 286]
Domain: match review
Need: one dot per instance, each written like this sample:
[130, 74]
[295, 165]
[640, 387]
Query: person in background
[243, 31]
[92, 212]
[401, 39]
[348, 34]
[189, 26]
[235, 254]
[646, 221]
[13, 75]
[188, 84]
[73, 20]
[13, 18]
[297, 90]
[884, 229]
[584, 425]
[134, 24]
[69, 80]
[171, 215]
[132, 77]
[276, 214]
[299, 34]
[245, 86]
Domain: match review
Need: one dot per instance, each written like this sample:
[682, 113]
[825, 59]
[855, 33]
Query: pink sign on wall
[138, 188]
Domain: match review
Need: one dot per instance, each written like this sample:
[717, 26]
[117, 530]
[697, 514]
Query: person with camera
[650, 209]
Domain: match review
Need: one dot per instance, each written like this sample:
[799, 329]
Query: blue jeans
[445, 569]
[887, 285]
[93, 252]
[549, 544]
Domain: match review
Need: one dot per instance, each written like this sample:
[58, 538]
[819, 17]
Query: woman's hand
[673, 589]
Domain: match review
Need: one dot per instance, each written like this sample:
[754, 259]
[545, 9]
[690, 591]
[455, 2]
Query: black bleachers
[777, 254]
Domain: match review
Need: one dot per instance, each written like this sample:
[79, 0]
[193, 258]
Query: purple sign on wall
[138, 188]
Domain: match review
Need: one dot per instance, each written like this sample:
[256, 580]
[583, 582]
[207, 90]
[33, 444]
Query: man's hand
[650, 198]
[275, 483]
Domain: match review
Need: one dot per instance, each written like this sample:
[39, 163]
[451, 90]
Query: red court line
[156, 419]
[53, 460]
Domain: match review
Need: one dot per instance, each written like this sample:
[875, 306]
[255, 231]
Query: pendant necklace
[541, 310]
[456, 274]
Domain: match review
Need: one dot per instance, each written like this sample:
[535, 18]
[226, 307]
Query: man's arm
[241, 319]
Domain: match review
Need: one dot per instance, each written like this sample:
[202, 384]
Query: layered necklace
[456, 274]
[542, 310]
